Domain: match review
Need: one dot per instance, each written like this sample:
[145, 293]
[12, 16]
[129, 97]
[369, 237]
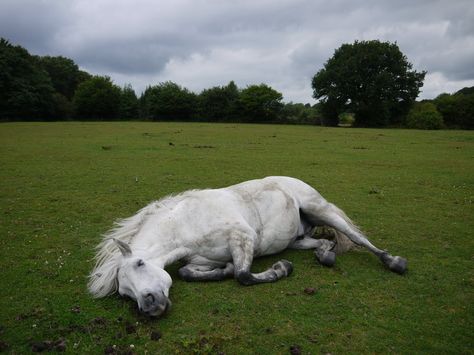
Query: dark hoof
[399, 265]
[325, 257]
[288, 266]
[395, 263]
[285, 265]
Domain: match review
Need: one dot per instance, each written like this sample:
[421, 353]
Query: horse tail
[103, 278]
[343, 243]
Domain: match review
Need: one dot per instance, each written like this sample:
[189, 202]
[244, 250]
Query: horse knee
[229, 270]
[245, 278]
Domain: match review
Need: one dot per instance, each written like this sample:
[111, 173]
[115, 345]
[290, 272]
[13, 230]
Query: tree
[64, 73]
[260, 103]
[65, 77]
[457, 109]
[97, 98]
[62, 108]
[465, 91]
[168, 101]
[128, 103]
[372, 79]
[26, 91]
[219, 104]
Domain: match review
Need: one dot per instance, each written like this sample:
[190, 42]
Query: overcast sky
[204, 43]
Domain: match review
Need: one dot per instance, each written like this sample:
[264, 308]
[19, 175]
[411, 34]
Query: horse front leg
[242, 250]
[192, 272]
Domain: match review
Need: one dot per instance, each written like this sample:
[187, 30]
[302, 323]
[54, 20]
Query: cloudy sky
[203, 43]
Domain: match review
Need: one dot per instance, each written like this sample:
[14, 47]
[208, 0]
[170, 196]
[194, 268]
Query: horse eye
[140, 262]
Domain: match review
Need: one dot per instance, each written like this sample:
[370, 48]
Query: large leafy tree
[260, 103]
[219, 103]
[168, 101]
[65, 77]
[97, 99]
[64, 73]
[26, 91]
[371, 79]
[128, 103]
[457, 109]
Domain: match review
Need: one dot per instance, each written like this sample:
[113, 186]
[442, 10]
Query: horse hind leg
[242, 249]
[323, 249]
[325, 213]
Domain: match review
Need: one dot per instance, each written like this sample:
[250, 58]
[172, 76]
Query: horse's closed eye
[140, 262]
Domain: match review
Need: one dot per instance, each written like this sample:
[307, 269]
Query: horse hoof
[285, 265]
[325, 257]
[398, 265]
[395, 263]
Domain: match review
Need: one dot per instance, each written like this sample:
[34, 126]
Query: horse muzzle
[154, 304]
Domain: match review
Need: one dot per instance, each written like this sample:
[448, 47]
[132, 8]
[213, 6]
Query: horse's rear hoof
[399, 265]
[325, 257]
[395, 263]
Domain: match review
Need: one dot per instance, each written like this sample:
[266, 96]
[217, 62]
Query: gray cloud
[201, 43]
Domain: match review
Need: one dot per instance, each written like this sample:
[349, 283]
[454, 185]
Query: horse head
[143, 280]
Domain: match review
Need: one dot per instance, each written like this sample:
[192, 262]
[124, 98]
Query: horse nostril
[150, 298]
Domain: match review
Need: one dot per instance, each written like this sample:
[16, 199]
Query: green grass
[63, 184]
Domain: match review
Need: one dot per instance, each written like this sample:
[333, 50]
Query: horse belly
[216, 256]
[275, 240]
[280, 223]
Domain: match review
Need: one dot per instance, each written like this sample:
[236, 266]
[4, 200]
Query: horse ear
[123, 247]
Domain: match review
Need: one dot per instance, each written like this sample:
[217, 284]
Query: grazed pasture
[63, 184]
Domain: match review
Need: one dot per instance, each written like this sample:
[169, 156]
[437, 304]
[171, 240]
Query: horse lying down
[218, 233]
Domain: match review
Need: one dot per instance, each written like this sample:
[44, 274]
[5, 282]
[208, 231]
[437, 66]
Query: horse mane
[103, 278]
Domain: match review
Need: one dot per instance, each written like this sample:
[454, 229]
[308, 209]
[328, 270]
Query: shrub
[297, 113]
[346, 119]
[424, 116]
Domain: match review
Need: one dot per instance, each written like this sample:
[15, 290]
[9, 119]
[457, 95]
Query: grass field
[63, 184]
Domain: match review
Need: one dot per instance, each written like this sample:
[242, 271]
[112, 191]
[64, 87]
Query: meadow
[63, 184]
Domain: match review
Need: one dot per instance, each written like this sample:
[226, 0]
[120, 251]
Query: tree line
[366, 84]
[54, 88]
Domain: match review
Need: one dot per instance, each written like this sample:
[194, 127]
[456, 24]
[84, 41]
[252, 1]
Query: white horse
[217, 233]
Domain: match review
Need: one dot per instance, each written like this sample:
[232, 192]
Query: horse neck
[158, 247]
[156, 235]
